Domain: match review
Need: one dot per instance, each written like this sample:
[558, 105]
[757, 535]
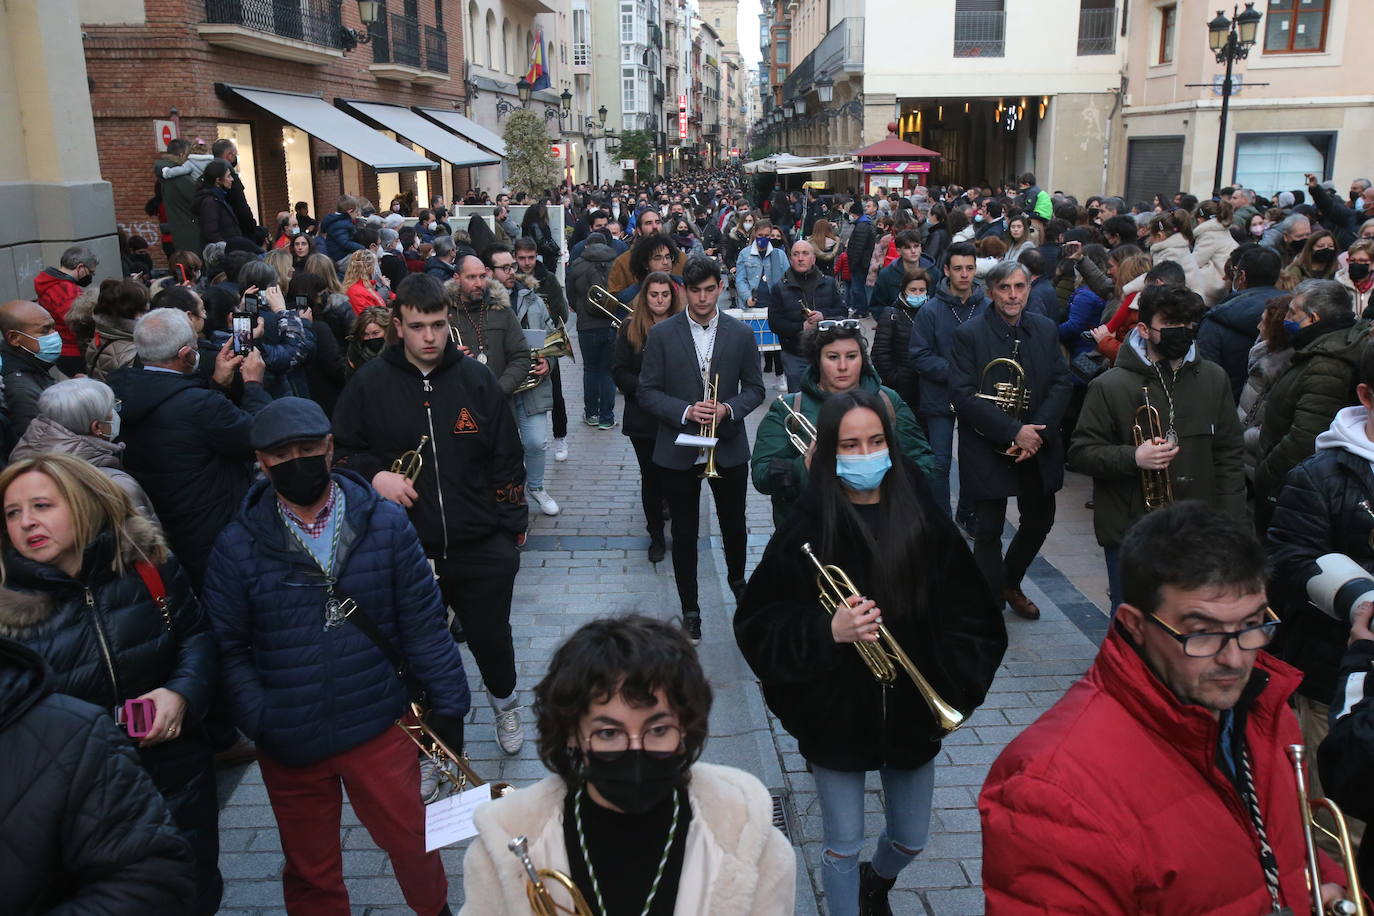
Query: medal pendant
[482, 358]
[336, 612]
[1171, 437]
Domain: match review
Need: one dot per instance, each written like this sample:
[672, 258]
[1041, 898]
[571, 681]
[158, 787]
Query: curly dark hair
[632, 656]
[645, 248]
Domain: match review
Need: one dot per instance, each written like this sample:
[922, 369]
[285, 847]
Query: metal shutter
[1154, 165]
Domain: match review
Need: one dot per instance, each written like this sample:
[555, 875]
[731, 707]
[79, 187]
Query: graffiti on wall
[149, 229]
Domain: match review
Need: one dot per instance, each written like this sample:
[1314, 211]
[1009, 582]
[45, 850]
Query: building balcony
[397, 52]
[840, 51]
[980, 33]
[306, 31]
[582, 57]
[1096, 31]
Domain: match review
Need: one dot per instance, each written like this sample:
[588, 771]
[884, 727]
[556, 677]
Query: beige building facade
[1303, 102]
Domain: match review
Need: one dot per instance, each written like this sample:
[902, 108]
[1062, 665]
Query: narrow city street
[589, 561]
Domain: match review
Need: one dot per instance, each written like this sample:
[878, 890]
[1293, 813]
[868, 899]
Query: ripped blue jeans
[907, 796]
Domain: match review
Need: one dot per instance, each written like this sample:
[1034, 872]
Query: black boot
[657, 549]
[873, 890]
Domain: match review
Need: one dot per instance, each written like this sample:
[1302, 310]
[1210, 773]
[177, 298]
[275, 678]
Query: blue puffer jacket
[337, 230]
[301, 691]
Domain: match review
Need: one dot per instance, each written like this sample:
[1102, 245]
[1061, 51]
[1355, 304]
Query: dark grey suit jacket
[670, 381]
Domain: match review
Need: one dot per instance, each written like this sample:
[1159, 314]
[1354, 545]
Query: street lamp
[369, 11]
[825, 90]
[1231, 40]
[522, 89]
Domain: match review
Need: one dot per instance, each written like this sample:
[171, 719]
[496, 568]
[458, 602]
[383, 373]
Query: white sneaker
[510, 730]
[544, 501]
[560, 450]
[782, 383]
[431, 780]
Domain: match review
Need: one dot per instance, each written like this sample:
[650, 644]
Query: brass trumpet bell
[1156, 486]
[557, 344]
[537, 887]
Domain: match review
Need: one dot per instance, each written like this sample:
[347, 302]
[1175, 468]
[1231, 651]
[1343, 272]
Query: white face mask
[114, 420]
[433, 225]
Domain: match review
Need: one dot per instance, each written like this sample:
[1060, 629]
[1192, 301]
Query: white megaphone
[1340, 587]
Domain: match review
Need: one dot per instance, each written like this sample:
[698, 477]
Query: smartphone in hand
[242, 329]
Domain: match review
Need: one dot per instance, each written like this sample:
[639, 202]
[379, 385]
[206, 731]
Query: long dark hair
[901, 534]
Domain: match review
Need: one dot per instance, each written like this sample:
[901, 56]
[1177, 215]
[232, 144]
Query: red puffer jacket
[56, 292]
[1113, 802]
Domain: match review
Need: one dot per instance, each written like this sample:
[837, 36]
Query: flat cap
[288, 420]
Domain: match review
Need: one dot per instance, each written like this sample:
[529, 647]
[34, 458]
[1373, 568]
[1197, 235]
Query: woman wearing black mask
[1316, 261]
[1357, 276]
[630, 815]
[368, 337]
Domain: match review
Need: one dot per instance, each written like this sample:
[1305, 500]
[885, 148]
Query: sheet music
[449, 820]
[686, 440]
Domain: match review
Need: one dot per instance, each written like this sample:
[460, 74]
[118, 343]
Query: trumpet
[709, 429]
[1156, 486]
[453, 767]
[603, 300]
[801, 432]
[541, 901]
[1353, 904]
[886, 655]
[556, 344]
[410, 463]
[1011, 396]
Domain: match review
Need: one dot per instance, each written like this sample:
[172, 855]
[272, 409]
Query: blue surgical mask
[49, 346]
[1292, 327]
[863, 472]
[1359, 203]
[762, 243]
[916, 301]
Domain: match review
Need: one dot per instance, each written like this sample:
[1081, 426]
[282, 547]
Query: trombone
[410, 463]
[453, 767]
[884, 656]
[541, 901]
[556, 344]
[801, 432]
[603, 300]
[1353, 904]
[1156, 486]
[708, 429]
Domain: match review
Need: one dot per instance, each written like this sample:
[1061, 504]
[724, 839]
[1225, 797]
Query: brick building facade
[162, 60]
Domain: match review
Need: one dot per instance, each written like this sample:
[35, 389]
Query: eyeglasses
[118, 405]
[659, 740]
[1206, 645]
[852, 323]
[503, 267]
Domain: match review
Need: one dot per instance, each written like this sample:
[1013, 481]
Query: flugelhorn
[604, 301]
[556, 344]
[1011, 395]
[453, 767]
[1353, 903]
[801, 432]
[410, 463]
[708, 429]
[1156, 486]
[541, 901]
[886, 655]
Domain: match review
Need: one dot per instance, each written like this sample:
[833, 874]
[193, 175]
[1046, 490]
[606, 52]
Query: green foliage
[532, 168]
[637, 145]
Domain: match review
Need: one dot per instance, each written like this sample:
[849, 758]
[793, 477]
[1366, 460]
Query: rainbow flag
[538, 77]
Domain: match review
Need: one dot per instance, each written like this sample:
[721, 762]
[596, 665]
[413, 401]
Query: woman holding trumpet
[838, 361]
[630, 821]
[659, 298]
[870, 514]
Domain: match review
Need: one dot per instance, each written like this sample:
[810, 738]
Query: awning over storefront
[424, 132]
[323, 121]
[818, 167]
[467, 128]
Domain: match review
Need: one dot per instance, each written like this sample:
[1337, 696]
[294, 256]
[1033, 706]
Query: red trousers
[383, 781]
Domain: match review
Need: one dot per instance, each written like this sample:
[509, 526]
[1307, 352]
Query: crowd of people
[256, 499]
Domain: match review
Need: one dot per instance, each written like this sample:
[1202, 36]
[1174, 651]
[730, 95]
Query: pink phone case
[138, 717]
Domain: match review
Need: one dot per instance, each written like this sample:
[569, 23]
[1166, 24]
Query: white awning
[323, 121]
[819, 167]
[425, 133]
[467, 128]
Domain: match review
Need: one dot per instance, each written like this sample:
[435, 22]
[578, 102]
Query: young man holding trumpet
[467, 499]
[685, 357]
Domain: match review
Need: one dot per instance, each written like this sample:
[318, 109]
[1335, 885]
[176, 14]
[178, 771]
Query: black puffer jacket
[637, 423]
[187, 446]
[891, 342]
[85, 830]
[1318, 513]
[787, 300]
[821, 690]
[69, 622]
[214, 213]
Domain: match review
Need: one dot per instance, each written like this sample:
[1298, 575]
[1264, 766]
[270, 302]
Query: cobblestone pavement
[590, 561]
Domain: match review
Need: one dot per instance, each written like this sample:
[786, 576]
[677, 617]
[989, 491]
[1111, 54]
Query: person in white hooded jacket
[630, 814]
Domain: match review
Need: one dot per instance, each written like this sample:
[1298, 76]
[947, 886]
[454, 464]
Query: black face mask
[1324, 255]
[1174, 343]
[84, 281]
[374, 345]
[635, 782]
[1297, 245]
[1358, 271]
[301, 481]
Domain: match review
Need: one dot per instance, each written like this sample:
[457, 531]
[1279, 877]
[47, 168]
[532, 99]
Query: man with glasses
[1161, 782]
[648, 223]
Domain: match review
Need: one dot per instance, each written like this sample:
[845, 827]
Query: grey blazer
[670, 381]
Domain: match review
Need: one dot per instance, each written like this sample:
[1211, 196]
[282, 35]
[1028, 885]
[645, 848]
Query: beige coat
[1212, 245]
[737, 863]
